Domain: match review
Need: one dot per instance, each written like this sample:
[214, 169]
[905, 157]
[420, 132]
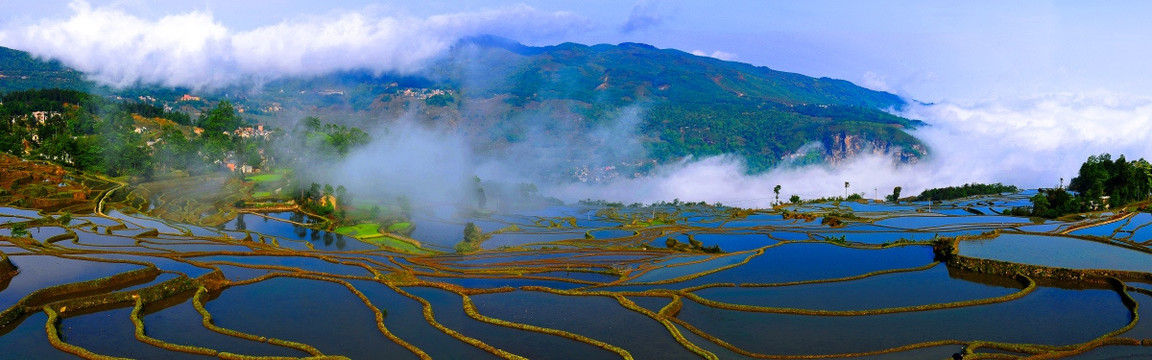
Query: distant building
[249, 132]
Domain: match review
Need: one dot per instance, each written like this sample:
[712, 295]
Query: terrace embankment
[946, 250]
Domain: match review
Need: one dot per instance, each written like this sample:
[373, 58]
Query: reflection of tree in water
[300, 231]
[327, 238]
[340, 242]
[240, 224]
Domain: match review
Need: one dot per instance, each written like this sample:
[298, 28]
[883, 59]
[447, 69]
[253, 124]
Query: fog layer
[1028, 142]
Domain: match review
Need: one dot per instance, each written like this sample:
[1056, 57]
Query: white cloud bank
[195, 50]
[1029, 142]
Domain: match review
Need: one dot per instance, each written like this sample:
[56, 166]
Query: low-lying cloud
[426, 165]
[194, 50]
[438, 165]
[1029, 142]
[722, 55]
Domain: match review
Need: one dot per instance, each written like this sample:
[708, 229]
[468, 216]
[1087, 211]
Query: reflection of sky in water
[1057, 251]
[301, 310]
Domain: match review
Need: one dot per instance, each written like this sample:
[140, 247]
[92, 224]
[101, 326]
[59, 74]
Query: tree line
[1101, 183]
[966, 190]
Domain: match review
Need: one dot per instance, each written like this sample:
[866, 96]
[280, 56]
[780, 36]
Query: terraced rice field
[895, 282]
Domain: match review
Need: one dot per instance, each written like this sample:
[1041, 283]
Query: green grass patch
[265, 177]
[262, 194]
[388, 241]
[366, 229]
[399, 227]
[370, 233]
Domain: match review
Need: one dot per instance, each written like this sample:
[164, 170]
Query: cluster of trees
[1052, 203]
[693, 245]
[473, 236]
[216, 145]
[966, 190]
[328, 140]
[322, 200]
[89, 133]
[895, 196]
[1122, 181]
[1100, 182]
[73, 128]
[152, 111]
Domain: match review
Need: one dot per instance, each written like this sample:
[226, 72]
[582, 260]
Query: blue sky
[930, 51]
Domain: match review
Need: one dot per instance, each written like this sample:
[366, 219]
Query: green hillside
[502, 95]
[20, 71]
[694, 105]
[628, 72]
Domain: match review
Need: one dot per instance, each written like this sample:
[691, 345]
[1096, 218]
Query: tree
[19, 230]
[219, 120]
[472, 233]
[845, 189]
[405, 206]
[341, 194]
[312, 123]
[328, 140]
[314, 192]
[1093, 175]
[777, 191]
[481, 199]
[895, 197]
[1120, 180]
[174, 151]
[795, 199]
[528, 190]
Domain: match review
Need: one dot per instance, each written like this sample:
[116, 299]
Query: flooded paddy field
[829, 280]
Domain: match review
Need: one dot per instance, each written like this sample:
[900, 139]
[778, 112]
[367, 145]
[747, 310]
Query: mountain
[569, 107]
[631, 71]
[21, 71]
[693, 105]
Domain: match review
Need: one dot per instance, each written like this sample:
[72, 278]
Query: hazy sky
[927, 50]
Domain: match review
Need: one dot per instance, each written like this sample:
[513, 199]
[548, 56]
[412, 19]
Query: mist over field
[1028, 142]
[1030, 139]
